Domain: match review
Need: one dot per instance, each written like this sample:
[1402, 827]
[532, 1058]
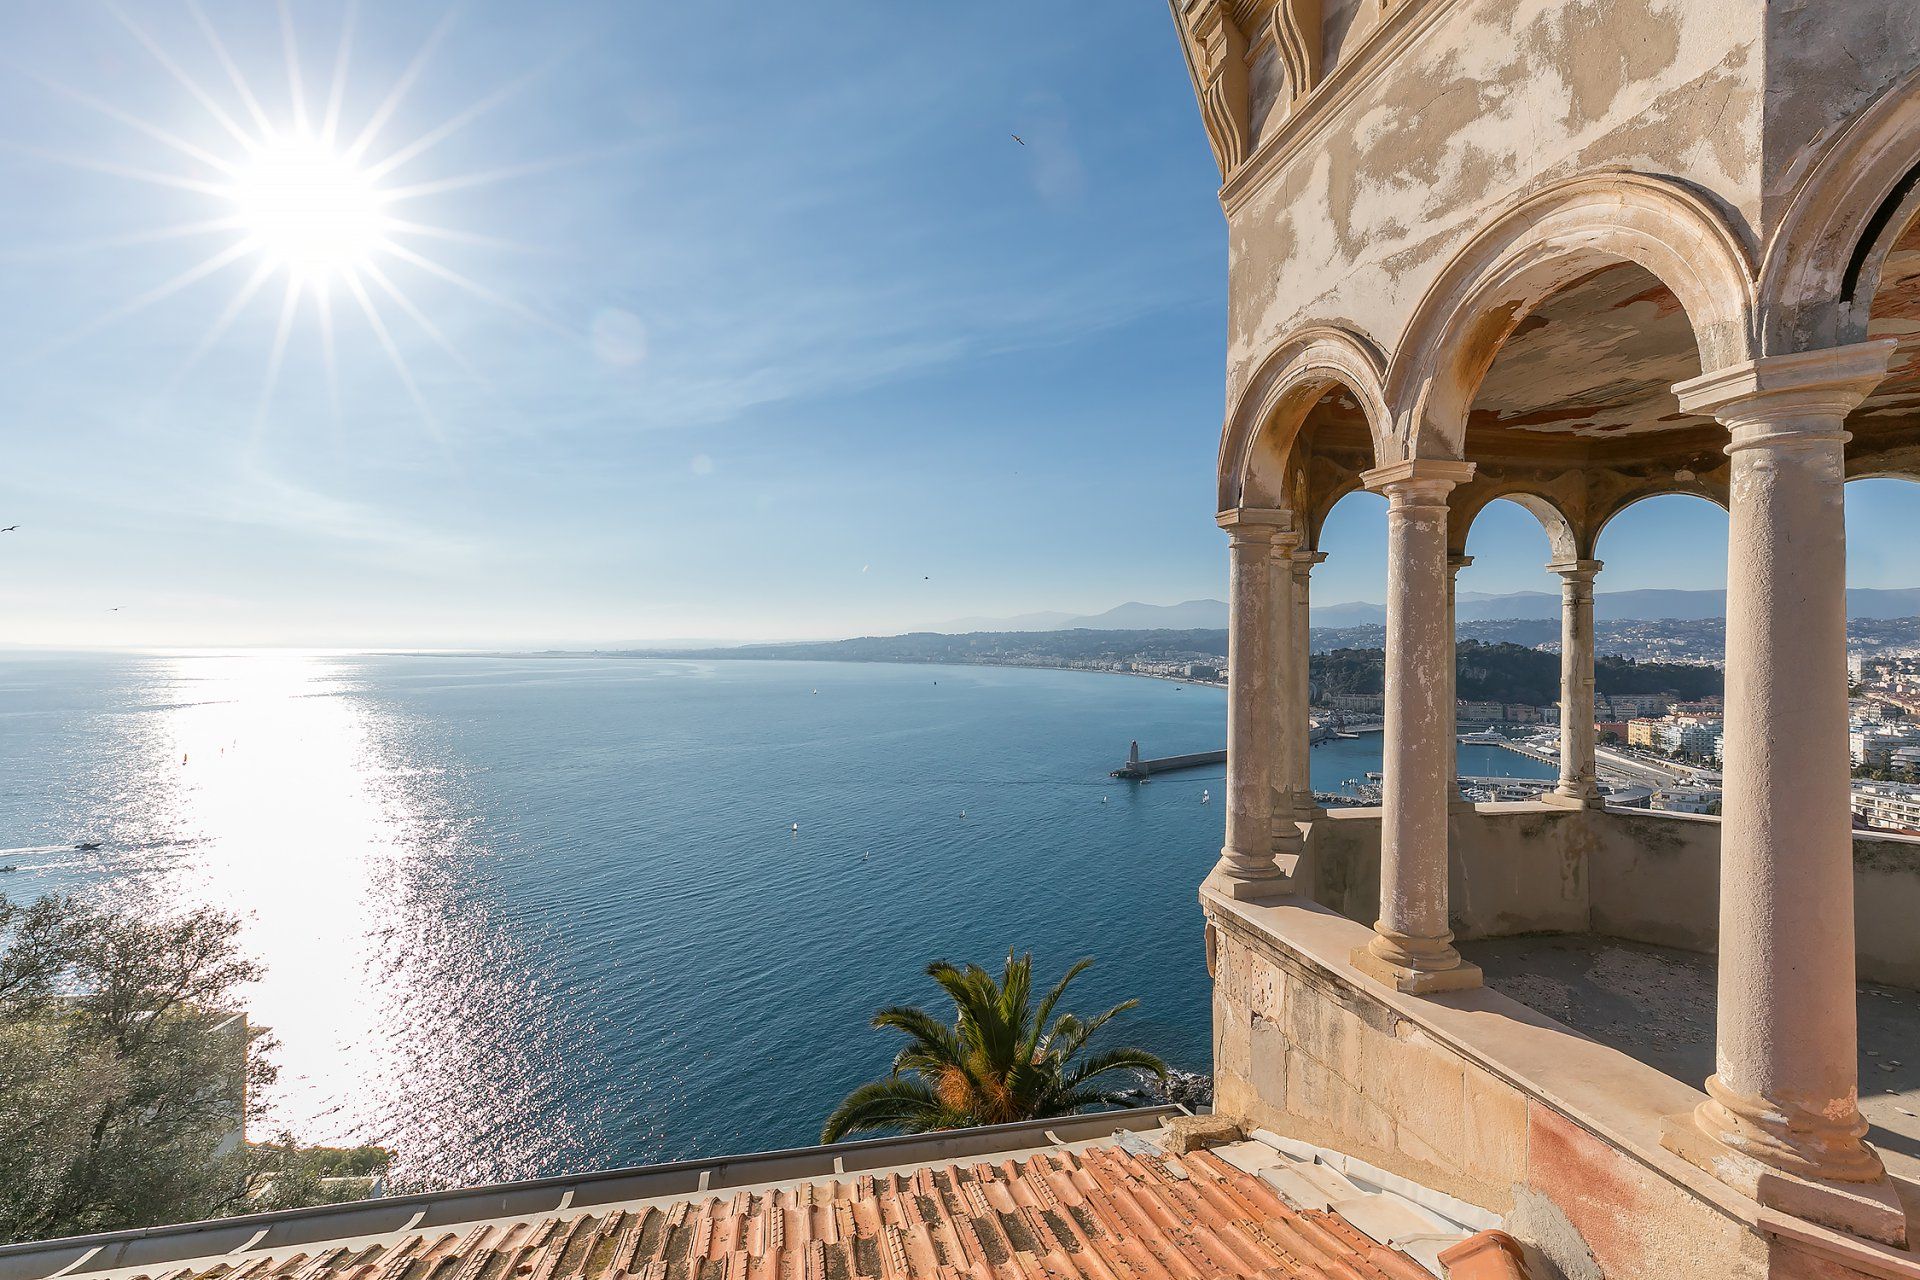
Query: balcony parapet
[1483, 1098]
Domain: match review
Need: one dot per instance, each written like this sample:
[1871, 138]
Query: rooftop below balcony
[1111, 1196]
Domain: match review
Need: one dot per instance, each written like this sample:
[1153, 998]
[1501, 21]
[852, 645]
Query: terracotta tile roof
[1102, 1212]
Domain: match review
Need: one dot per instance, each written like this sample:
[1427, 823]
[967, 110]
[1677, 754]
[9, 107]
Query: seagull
[116, 608]
[10, 528]
[1017, 138]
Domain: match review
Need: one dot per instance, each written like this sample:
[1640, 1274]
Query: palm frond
[893, 1103]
[1044, 1013]
[1114, 1060]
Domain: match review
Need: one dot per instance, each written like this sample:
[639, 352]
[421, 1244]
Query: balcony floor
[1657, 1004]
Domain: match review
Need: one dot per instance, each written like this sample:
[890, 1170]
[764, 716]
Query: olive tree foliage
[126, 1075]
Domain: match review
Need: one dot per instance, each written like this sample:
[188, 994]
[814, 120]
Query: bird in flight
[10, 528]
[115, 608]
[1017, 138]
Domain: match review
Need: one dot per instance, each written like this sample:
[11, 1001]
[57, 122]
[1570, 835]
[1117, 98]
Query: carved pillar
[1455, 800]
[1305, 808]
[1287, 739]
[1781, 1121]
[1247, 868]
[1412, 947]
[1579, 778]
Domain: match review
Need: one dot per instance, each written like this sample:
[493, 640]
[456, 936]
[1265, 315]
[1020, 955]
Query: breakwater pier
[1136, 768]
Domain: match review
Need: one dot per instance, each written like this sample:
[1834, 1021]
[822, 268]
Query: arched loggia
[1540, 246]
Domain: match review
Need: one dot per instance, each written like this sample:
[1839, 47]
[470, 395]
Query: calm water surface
[528, 916]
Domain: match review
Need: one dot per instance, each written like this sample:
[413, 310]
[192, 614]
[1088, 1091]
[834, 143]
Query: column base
[1871, 1210]
[1232, 882]
[1414, 981]
[1565, 801]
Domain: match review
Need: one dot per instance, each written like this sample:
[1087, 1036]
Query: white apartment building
[1888, 805]
[1874, 744]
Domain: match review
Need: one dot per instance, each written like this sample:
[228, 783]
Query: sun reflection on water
[290, 796]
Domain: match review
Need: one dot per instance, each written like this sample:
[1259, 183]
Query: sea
[525, 916]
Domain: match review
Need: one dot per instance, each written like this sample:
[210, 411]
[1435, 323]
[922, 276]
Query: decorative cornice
[1218, 60]
[1402, 22]
[1298, 36]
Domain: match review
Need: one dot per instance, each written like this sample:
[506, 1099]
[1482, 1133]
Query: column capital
[1773, 391]
[1305, 557]
[1458, 560]
[1255, 522]
[1576, 571]
[1418, 477]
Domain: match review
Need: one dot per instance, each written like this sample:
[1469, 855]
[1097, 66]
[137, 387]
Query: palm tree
[1002, 1060]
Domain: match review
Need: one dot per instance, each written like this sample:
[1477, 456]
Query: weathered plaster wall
[1646, 877]
[1826, 60]
[1512, 868]
[1656, 878]
[1496, 98]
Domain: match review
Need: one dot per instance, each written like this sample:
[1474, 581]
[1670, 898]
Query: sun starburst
[302, 197]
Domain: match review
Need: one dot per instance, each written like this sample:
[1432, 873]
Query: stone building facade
[1573, 253]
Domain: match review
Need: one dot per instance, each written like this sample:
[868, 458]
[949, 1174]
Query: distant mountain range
[1188, 615]
[1472, 606]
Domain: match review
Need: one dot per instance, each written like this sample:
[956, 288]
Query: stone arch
[1855, 196]
[1633, 498]
[1902, 466]
[1534, 248]
[1562, 537]
[1260, 429]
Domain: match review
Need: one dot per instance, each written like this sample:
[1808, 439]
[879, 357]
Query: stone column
[1412, 947]
[1455, 800]
[1246, 868]
[1781, 1121]
[1579, 779]
[1304, 807]
[1288, 741]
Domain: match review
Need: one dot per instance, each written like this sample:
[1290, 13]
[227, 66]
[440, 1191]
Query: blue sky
[740, 321]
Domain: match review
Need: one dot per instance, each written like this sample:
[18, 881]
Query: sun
[306, 207]
[310, 199]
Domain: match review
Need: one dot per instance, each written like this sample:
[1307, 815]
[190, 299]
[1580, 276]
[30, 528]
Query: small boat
[796, 828]
[1205, 796]
[87, 846]
[7, 868]
[1103, 799]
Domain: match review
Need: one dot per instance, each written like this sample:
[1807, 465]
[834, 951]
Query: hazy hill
[1472, 606]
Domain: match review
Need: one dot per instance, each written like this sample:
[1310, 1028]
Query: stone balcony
[1543, 1095]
